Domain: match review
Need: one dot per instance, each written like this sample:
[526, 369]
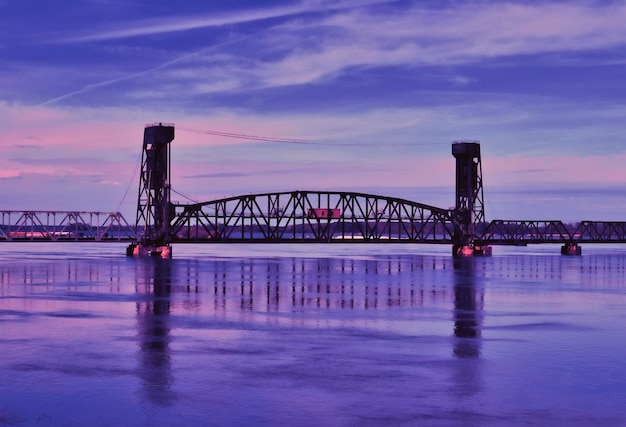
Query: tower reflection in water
[246, 290]
[386, 293]
[154, 284]
[468, 307]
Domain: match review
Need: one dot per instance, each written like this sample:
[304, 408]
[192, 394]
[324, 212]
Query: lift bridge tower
[154, 208]
[469, 207]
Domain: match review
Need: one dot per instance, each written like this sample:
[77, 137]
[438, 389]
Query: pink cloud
[84, 159]
[542, 169]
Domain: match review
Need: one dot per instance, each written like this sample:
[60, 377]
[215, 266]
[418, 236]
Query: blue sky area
[381, 87]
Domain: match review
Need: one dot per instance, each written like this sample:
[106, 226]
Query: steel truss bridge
[344, 217]
[500, 232]
[301, 216]
[63, 226]
[311, 216]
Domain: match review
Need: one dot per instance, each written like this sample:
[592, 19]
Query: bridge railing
[64, 226]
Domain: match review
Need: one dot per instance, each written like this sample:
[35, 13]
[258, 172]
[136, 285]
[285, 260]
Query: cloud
[218, 175]
[567, 201]
[316, 48]
[10, 174]
[397, 74]
[544, 169]
[170, 25]
[103, 146]
[235, 177]
[315, 42]
[488, 29]
[25, 146]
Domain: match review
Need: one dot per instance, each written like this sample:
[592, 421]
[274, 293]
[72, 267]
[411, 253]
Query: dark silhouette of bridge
[340, 217]
[63, 226]
[301, 216]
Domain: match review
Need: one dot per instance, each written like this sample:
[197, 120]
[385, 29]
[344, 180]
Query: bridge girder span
[64, 226]
[311, 216]
[317, 216]
[523, 232]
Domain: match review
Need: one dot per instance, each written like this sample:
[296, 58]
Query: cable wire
[182, 195]
[132, 179]
[297, 140]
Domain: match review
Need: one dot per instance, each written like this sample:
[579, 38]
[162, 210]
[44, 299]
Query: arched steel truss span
[311, 216]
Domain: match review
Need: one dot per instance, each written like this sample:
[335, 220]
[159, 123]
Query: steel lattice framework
[64, 226]
[153, 199]
[502, 232]
[312, 216]
[470, 207]
[300, 216]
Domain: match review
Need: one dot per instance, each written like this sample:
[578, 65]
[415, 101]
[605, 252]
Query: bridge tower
[154, 209]
[469, 206]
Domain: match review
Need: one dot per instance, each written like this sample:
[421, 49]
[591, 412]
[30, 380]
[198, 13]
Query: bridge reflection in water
[197, 333]
[153, 281]
[468, 306]
[285, 285]
[313, 292]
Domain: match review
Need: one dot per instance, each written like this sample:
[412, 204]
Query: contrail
[93, 86]
[191, 23]
[199, 23]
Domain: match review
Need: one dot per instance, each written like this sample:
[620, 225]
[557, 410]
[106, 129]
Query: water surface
[311, 335]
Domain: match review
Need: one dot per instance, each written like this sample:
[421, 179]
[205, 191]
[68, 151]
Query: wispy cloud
[425, 37]
[10, 174]
[169, 24]
[538, 83]
[25, 146]
[317, 42]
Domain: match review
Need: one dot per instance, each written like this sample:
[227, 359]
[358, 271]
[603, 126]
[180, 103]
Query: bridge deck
[339, 218]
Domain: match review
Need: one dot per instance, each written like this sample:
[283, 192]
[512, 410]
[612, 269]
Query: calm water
[311, 335]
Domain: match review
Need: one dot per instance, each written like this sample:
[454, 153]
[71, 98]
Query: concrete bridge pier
[471, 250]
[138, 249]
[571, 249]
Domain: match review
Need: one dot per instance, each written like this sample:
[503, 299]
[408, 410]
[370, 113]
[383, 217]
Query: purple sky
[384, 86]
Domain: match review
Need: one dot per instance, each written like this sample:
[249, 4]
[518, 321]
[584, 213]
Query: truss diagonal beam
[64, 226]
[311, 216]
[525, 232]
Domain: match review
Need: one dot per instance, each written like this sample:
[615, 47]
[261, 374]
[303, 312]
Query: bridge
[59, 226]
[301, 216]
